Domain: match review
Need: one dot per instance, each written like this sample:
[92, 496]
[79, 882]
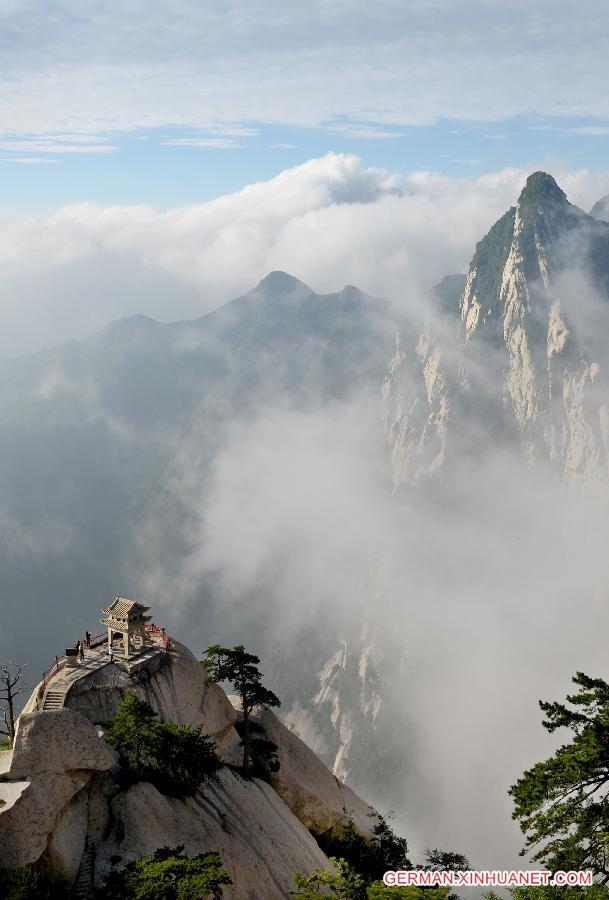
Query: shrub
[169, 874]
[25, 883]
[371, 857]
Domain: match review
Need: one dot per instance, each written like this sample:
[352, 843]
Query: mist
[330, 221]
[253, 511]
[480, 596]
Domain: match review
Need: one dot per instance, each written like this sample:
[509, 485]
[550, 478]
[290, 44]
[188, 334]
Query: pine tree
[562, 804]
[241, 669]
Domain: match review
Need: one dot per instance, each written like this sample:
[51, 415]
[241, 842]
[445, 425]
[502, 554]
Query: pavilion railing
[97, 640]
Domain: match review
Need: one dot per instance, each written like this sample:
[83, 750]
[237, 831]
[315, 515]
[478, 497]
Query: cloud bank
[198, 64]
[330, 221]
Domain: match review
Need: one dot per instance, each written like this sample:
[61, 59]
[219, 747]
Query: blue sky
[174, 102]
[172, 166]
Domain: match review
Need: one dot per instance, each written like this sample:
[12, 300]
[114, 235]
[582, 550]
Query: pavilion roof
[122, 608]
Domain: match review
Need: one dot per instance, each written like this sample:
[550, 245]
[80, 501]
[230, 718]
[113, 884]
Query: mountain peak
[278, 281]
[600, 210]
[540, 188]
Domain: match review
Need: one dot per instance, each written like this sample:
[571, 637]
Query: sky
[170, 103]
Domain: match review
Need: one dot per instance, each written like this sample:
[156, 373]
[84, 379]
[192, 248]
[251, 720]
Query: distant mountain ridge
[141, 368]
[89, 430]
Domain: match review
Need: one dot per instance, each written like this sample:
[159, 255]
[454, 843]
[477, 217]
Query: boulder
[58, 741]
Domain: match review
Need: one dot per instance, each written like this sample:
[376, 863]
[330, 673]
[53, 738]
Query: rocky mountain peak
[540, 190]
[526, 356]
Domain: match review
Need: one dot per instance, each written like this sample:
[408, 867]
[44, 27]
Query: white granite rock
[260, 841]
[58, 741]
[66, 842]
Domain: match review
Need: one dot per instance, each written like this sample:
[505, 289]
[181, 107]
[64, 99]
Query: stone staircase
[96, 822]
[82, 885]
[53, 699]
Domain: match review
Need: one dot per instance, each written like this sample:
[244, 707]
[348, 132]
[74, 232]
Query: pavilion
[127, 618]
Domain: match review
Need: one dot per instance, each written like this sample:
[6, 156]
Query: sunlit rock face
[518, 355]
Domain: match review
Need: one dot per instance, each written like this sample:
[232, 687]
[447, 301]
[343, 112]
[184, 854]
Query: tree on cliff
[562, 804]
[241, 669]
[175, 758]
[11, 685]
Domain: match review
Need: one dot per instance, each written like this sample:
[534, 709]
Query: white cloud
[209, 143]
[56, 146]
[27, 160]
[329, 221]
[592, 130]
[198, 64]
[367, 134]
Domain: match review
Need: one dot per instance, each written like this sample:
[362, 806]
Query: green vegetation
[361, 863]
[6, 745]
[25, 883]
[539, 188]
[343, 883]
[347, 884]
[240, 668]
[370, 857]
[168, 875]
[175, 758]
[380, 891]
[594, 892]
[562, 803]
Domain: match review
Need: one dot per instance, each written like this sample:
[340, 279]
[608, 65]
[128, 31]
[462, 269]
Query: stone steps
[53, 700]
[82, 885]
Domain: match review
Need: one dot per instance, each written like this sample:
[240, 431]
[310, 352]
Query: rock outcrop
[60, 803]
[259, 839]
[313, 793]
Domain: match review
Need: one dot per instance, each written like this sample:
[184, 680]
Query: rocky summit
[63, 810]
[516, 353]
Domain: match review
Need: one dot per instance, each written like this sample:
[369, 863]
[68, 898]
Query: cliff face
[518, 354]
[62, 809]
